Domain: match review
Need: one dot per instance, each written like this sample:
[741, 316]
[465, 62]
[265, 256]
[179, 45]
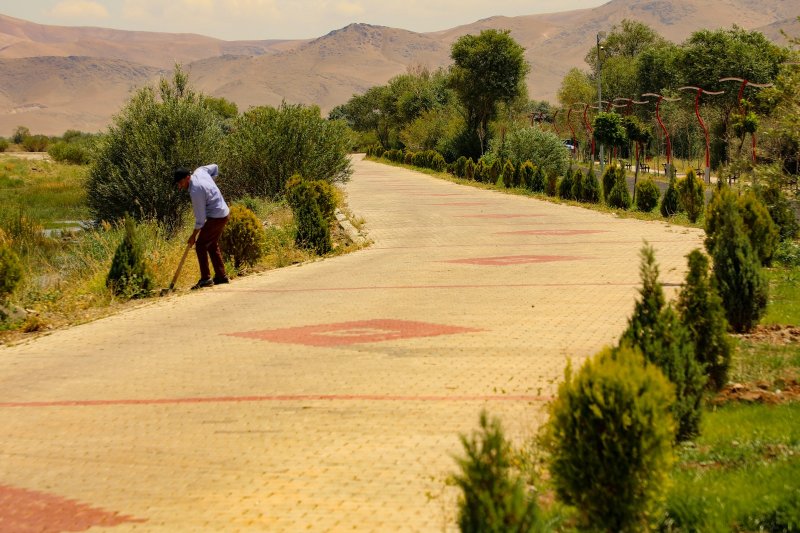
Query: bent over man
[210, 216]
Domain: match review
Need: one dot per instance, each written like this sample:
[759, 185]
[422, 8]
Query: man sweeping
[210, 215]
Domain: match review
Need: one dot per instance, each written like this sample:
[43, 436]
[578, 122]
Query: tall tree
[488, 69]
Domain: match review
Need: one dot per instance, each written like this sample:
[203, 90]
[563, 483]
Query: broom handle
[180, 266]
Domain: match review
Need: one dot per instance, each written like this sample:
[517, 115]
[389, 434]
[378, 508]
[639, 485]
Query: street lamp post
[702, 124]
[569, 123]
[745, 83]
[600, 35]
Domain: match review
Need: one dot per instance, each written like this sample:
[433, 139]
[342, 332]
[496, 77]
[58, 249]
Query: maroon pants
[207, 244]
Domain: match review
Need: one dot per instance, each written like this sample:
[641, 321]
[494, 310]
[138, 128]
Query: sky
[274, 19]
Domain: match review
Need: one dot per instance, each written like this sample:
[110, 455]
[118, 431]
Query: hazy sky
[273, 19]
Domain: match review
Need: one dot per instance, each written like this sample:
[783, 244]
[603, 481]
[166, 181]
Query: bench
[644, 167]
[627, 165]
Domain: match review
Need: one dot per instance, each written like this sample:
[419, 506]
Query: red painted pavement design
[357, 332]
[499, 215]
[461, 203]
[558, 232]
[515, 260]
[29, 511]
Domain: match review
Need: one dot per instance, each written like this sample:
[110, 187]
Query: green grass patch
[762, 362]
[741, 474]
[784, 296]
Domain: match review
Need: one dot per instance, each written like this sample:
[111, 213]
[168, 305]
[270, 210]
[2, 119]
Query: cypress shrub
[243, 237]
[551, 188]
[10, 269]
[577, 185]
[670, 202]
[609, 435]
[459, 168]
[762, 231]
[526, 172]
[647, 194]
[701, 311]
[494, 172]
[565, 186]
[737, 272]
[493, 498]
[780, 210]
[608, 179]
[619, 196]
[129, 276]
[538, 180]
[656, 330]
[313, 231]
[508, 174]
[469, 169]
[691, 195]
[591, 188]
[480, 171]
[436, 162]
[408, 159]
[327, 197]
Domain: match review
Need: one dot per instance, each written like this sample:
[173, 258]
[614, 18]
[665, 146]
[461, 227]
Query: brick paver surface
[327, 396]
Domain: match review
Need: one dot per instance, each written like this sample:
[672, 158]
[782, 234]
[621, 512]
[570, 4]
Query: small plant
[591, 188]
[459, 167]
[647, 194]
[763, 232]
[610, 438]
[129, 276]
[609, 179]
[538, 180]
[313, 231]
[691, 194]
[577, 185]
[243, 237]
[508, 174]
[738, 276]
[656, 330]
[670, 202]
[493, 499]
[469, 169]
[701, 311]
[619, 196]
[526, 173]
[565, 186]
[494, 171]
[551, 188]
[10, 269]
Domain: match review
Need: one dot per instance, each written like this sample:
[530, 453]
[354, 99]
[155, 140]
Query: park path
[327, 396]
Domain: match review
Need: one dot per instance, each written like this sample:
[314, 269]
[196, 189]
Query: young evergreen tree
[657, 331]
[691, 194]
[129, 275]
[508, 174]
[619, 196]
[701, 311]
[565, 186]
[670, 202]
[763, 232]
[493, 499]
[591, 188]
[577, 185]
[538, 183]
[737, 273]
[609, 179]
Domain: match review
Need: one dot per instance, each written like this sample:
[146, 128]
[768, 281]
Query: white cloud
[76, 9]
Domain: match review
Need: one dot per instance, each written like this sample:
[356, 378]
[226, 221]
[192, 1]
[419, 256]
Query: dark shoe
[221, 281]
[202, 283]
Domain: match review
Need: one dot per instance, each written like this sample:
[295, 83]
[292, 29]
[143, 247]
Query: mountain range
[55, 78]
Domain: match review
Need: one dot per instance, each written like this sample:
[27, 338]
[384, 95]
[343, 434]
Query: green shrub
[619, 196]
[3, 144]
[148, 139]
[129, 276]
[526, 171]
[35, 143]
[657, 331]
[692, 195]
[313, 231]
[576, 193]
[508, 175]
[609, 179]
[437, 162]
[480, 170]
[469, 169]
[788, 254]
[243, 238]
[701, 311]
[551, 188]
[75, 153]
[670, 202]
[738, 276]
[408, 159]
[780, 210]
[538, 180]
[762, 231]
[10, 270]
[460, 167]
[647, 194]
[327, 197]
[565, 186]
[494, 171]
[591, 188]
[493, 499]
[268, 145]
[610, 441]
[522, 144]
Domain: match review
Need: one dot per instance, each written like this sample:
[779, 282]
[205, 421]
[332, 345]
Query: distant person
[210, 216]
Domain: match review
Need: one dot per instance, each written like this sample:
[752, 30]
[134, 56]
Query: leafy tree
[269, 145]
[493, 498]
[576, 87]
[608, 129]
[153, 134]
[19, 134]
[691, 192]
[488, 69]
[543, 148]
[224, 108]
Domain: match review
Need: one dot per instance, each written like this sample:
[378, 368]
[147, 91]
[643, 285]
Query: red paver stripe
[461, 203]
[23, 511]
[356, 332]
[499, 216]
[279, 398]
[515, 260]
[552, 232]
[445, 287]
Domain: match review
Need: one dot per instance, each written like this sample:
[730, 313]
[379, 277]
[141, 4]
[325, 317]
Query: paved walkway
[327, 396]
